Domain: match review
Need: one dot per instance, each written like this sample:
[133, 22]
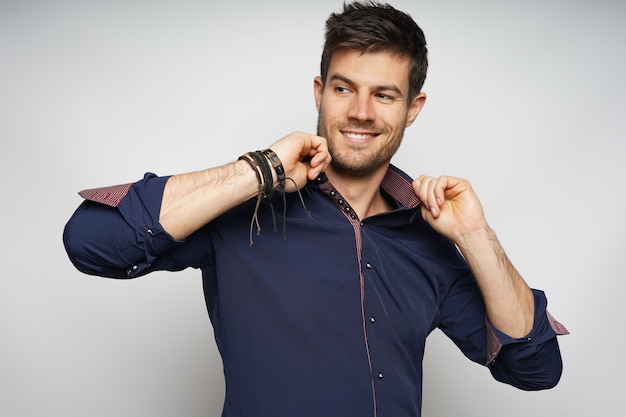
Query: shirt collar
[399, 186]
[396, 185]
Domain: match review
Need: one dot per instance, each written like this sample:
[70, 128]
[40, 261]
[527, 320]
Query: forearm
[508, 299]
[123, 231]
[192, 200]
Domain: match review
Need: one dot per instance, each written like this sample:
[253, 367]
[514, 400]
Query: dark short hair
[370, 26]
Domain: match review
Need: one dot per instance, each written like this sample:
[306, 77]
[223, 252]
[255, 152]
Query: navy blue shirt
[325, 314]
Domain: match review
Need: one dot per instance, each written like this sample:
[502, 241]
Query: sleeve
[115, 233]
[530, 363]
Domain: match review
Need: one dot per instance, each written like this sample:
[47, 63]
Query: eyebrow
[390, 87]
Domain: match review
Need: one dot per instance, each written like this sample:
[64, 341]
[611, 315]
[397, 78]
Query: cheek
[397, 117]
[333, 107]
[326, 108]
[327, 113]
[322, 129]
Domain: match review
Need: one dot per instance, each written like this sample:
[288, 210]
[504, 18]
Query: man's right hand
[303, 156]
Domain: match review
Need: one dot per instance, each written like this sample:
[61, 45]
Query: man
[329, 316]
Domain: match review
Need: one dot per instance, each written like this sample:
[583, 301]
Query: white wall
[526, 99]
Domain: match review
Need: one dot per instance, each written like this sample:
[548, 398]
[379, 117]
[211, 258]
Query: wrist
[269, 170]
[477, 237]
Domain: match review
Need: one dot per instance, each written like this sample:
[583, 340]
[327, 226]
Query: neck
[362, 192]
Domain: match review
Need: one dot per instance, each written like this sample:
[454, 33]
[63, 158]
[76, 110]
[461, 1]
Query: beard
[359, 163]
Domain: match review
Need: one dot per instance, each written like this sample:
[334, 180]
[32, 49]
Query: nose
[361, 108]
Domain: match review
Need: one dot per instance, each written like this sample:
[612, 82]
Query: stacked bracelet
[257, 169]
[262, 163]
[278, 167]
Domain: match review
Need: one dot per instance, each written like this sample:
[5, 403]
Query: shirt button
[380, 376]
[368, 265]
[372, 320]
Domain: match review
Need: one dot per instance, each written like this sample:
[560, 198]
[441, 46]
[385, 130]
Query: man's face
[363, 109]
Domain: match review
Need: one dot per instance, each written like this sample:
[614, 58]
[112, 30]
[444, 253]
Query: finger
[433, 204]
[439, 192]
[431, 192]
[426, 213]
[320, 157]
[318, 151]
[317, 167]
[420, 186]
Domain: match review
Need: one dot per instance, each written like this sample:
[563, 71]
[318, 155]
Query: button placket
[371, 319]
[339, 200]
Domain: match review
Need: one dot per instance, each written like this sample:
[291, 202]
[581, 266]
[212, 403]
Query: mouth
[359, 137]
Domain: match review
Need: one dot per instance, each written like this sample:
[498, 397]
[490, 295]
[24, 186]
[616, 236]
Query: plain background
[526, 99]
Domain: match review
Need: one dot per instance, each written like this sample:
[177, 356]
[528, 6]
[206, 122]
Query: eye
[341, 90]
[384, 97]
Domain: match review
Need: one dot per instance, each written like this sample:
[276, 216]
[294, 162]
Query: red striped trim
[399, 188]
[359, 246]
[556, 326]
[493, 344]
[111, 196]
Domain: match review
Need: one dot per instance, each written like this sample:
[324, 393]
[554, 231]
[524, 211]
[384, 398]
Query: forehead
[371, 68]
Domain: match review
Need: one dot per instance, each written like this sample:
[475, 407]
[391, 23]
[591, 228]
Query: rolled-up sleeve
[532, 362]
[120, 238]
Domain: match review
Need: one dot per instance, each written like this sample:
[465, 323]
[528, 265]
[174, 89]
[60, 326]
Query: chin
[355, 168]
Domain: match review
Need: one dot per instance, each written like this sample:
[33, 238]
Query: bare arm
[452, 208]
[192, 200]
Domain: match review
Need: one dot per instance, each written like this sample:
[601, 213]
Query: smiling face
[364, 108]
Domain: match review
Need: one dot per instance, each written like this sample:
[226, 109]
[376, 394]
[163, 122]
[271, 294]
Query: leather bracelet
[257, 169]
[262, 162]
[266, 169]
[278, 166]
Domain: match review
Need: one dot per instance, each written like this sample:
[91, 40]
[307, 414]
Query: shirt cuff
[141, 208]
[545, 327]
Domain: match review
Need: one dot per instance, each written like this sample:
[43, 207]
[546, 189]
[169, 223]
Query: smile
[359, 137]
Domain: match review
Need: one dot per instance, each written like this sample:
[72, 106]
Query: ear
[318, 87]
[415, 107]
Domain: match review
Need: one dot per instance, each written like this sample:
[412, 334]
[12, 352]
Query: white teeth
[358, 135]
